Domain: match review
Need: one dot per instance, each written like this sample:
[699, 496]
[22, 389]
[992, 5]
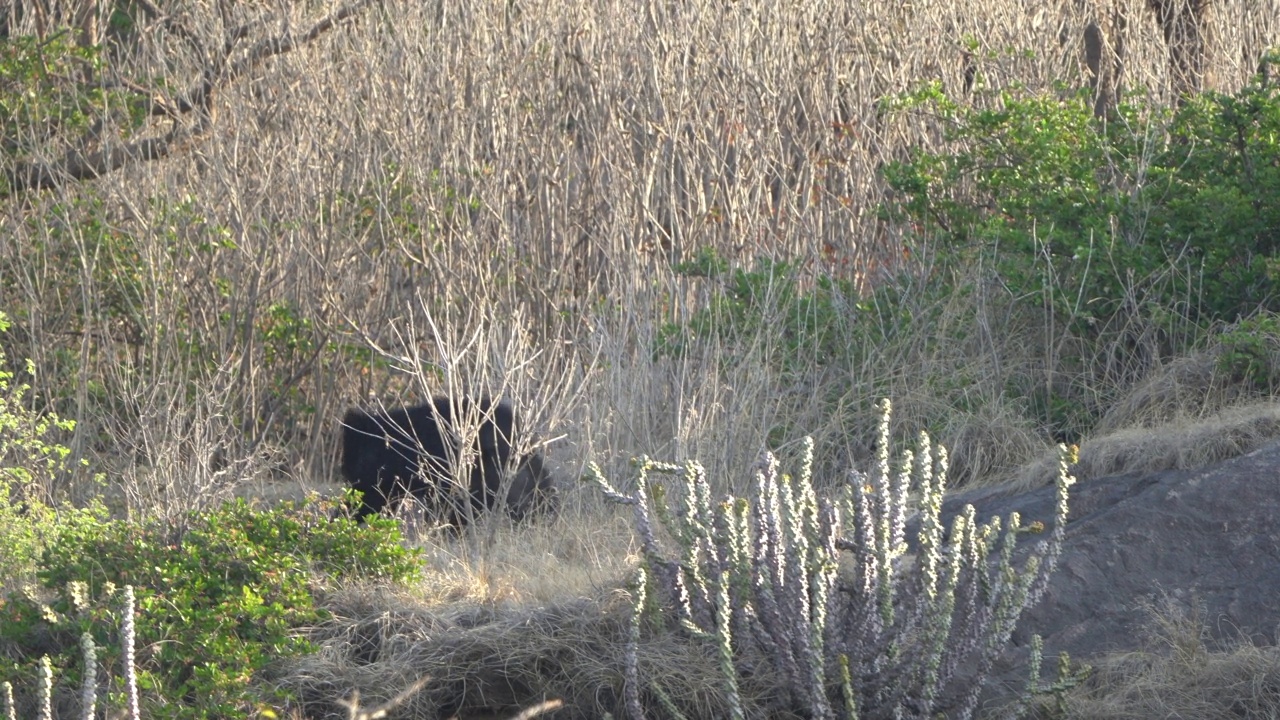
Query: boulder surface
[1205, 541]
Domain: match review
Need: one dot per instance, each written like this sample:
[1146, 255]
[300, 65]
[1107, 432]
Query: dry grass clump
[1191, 386]
[488, 661]
[1200, 408]
[1186, 386]
[572, 555]
[991, 441]
[1183, 445]
[1178, 675]
[1179, 445]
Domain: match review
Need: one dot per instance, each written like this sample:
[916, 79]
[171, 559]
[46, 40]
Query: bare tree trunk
[1186, 28]
[1104, 54]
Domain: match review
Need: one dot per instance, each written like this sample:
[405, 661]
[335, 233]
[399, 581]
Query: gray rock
[1206, 540]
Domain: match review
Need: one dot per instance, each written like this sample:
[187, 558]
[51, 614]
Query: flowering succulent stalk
[884, 516]
[643, 523]
[128, 638]
[631, 663]
[10, 710]
[770, 569]
[1052, 550]
[89, 688]
[930, 538]
[724, 643]
[869, 562]
[846, 689]
[45, 698]
[1037, 657]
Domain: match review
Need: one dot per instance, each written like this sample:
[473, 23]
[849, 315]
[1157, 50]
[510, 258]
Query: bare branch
[77, 164]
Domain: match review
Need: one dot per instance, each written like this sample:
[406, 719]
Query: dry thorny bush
[490, 196]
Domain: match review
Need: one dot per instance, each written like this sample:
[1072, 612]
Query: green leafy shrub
[820, 592]
[222, 596]
[1128, 239]
[811, 318]
[31, 463]
[50, 94]
[1093, 214]
[1026, 185]
[1211, 195]
[1250, 352]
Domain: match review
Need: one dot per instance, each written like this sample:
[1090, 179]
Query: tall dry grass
[490, 197]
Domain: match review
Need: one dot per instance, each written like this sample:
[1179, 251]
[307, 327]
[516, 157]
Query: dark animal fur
[414, 451]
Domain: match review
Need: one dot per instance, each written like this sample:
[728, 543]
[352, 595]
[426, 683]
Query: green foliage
[1212, 194]
[1168, 210]
[809, 317]
[27, 458]
[1050, 699]
[31, 461]
[706, 263]
[1027, 185]
[73, 247]
[1151, 228]
[406, 208]
[222, 596]
[1250, 352]
[50, 93]
[34, 101]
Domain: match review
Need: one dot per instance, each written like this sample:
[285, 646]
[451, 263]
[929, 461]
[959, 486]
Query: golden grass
[1183, 444]
[488, 662]
[577, 554]
[1180, 673]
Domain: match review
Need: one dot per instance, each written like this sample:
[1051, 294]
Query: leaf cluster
[1153, 211]
[222, 596]
[48, 93]
[31, 462]
[809, 317]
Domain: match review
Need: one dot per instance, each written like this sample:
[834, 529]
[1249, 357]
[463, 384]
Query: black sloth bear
[391, 454]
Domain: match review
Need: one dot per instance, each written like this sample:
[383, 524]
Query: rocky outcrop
[1206, 540]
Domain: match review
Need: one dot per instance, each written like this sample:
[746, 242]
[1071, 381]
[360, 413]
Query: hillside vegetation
[682, 231]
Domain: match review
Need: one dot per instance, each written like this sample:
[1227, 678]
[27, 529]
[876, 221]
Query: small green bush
[1212, 196]
[222, 596]
[31, 463]
[1125, 242]
[1250, 353]
[810, 320]
[1175, 207]
[51, 94]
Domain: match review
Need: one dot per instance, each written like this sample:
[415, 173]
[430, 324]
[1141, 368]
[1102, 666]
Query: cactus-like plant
[45, 689]
[89, 686]
[899, 632]
[128, 638]
[10, 710]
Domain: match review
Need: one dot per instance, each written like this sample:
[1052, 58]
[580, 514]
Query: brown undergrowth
[493, 660]
[1180, 673]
